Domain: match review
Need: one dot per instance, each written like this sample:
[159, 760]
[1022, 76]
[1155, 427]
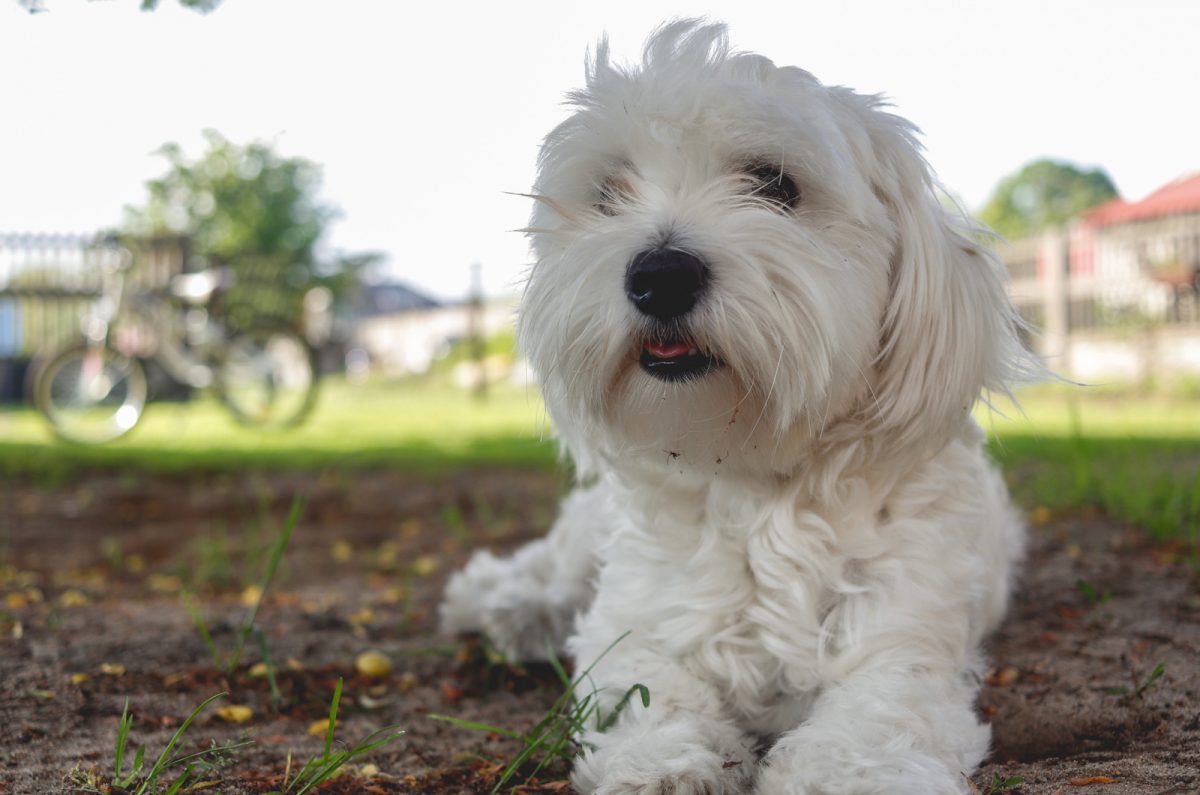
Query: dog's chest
[740, 599]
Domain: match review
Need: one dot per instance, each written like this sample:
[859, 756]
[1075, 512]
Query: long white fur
[807, 546]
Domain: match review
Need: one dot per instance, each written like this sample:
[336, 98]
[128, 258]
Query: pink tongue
[667, 351]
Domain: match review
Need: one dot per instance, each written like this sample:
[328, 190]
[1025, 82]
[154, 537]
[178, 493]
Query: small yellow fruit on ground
[373, 663]
[235, 713]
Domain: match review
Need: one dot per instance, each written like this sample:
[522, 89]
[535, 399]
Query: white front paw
[842, 771]
[523, 617]
[672, 759]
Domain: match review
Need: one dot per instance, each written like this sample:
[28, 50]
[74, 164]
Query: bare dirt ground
[92, 615]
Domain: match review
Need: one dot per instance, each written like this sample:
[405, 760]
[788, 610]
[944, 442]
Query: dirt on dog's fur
[92, 615]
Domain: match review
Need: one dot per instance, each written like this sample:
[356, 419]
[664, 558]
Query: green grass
[1137, 458]
[319, 769]
[136, 780]
[422, 429]
[555, 735]
[229, 664]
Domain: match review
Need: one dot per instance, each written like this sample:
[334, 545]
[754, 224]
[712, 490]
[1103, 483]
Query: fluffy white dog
[760, 336]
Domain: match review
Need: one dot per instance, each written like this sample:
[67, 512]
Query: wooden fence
[47, 282]
[1113, 303]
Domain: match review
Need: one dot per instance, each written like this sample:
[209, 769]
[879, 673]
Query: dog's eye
[613, 192]
[771, 184]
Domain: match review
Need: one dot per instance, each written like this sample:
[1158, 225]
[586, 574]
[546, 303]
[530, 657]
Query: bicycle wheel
[91, 394]
[268, 379]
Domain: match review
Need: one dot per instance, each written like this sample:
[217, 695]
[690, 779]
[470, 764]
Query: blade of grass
[161, 763]
[554, 733]
[479, 727]
[123, 727]
[333, 708]
[276, 696]
[272, 564]
[202, 628]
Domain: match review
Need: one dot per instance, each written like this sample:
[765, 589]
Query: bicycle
[95, 391]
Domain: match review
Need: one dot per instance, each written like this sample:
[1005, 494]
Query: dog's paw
[817, 773]
[524, 619]
[674, 784]
[668, 760]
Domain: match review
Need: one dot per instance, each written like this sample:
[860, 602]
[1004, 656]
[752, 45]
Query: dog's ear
[949, 332]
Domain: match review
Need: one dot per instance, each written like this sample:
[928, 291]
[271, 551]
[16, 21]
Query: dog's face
[734, 262]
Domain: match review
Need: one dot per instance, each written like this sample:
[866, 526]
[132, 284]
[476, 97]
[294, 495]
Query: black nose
[665, 283]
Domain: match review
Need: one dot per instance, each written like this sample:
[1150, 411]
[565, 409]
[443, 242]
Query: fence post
[1052, 253]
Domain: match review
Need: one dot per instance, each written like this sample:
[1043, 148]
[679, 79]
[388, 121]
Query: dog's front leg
[897, 730]
[526, 604]
[680, 744]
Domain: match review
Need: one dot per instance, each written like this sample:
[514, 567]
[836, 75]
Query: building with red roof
[1118, 291]
[1180, 197]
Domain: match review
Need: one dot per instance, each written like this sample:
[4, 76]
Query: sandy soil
[92, 615]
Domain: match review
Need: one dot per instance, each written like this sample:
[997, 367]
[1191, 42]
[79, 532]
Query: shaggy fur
[805, 545]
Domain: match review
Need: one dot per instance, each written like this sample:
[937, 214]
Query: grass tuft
[319, 769]
[553, 738]
[139, 781]
[229, 664]
[1139, 688]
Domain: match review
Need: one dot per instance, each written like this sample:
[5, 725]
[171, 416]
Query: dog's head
[735, 263]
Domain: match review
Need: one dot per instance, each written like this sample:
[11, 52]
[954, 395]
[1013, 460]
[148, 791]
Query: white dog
[760, 337]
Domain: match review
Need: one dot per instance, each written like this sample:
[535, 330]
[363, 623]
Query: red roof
[1180, 196]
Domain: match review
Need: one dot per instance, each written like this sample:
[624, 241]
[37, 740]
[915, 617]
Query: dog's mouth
[676, 360]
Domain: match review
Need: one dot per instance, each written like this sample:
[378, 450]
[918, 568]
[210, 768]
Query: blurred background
[336, 183]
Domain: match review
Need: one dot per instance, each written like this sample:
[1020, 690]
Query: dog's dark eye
[773, 185]
[614, 192]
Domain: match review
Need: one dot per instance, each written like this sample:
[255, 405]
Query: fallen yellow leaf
[250, 595]
[364, 616]
[78, 679]
[167, 583]
[385, 556]
[1084, 782]
[318, 728]
[234, 713]
[373, 663]
[341, 551]
[425, 565]
[1004, 677]
[393, 595]
[73, 598]
[112, 669]
[258, 670]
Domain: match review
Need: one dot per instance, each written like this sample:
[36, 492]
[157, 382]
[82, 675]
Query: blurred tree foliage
[1042, 194]
[252, 210]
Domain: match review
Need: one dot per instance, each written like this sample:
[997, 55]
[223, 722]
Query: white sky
[423, 114]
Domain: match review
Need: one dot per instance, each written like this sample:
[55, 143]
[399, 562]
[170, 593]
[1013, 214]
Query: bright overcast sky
[423, 114]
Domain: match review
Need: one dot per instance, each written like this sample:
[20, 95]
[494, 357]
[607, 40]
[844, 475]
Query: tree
[1042, 194]
[254, 211]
